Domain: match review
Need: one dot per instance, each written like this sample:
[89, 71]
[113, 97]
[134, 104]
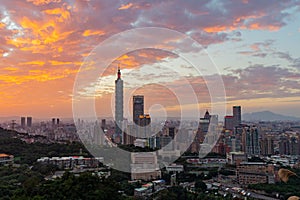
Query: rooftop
[2, 155]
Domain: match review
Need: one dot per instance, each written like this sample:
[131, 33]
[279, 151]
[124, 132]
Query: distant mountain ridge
[267, 116]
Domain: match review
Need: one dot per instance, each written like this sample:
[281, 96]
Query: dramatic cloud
[259, 81]
[46, 41]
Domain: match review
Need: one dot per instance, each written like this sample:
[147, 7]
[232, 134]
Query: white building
[144, 166]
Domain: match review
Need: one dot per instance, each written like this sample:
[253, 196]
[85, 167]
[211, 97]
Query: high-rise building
[267, 145]
[29, 121]
[203, 127]
[237, 115]
[284, 146]
[23, 119]
[138, 107]
[293, 146]
[144, 125]
[251, 140]
[229, 122]
[118, 105]
[201, 132]
[53, 121]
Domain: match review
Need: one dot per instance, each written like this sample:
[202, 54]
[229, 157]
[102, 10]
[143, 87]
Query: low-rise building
[254, 173]
[174, 168]
[144, 166]
[235, 158]
[6, 159]
[72, 162]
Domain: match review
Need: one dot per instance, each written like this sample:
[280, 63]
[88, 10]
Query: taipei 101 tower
[118, 106]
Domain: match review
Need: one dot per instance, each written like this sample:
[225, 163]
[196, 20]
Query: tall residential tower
[118, 106]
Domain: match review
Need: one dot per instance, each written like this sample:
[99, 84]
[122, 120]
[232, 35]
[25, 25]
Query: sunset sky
[254, 44]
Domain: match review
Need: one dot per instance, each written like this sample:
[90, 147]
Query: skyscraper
[237, 116]
[230, 122]
[53, 122]
[118, 105]
[138, 107]
[29, 121]
[23, 119]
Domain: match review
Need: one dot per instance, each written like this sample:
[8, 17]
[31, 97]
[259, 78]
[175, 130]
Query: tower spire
[119, 71]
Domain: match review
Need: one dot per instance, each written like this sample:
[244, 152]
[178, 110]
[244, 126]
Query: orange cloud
[19, 42]
[38, 35]
[253, 26]
[257, 26]
[37, 75]
[64, 14]
[55, 62]
[238, 23]
[136, 59]
[36, 62]
[27, 23]
[43, 2]
[41, 29]
[60, 49]
[10, 69]
[214, 29]
[128, 61]
[91, 32]
[42, 76]
[241, 19]
[2, 24]
[125, 6]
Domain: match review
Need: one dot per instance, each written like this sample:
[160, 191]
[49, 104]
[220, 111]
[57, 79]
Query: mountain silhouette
[267, 116]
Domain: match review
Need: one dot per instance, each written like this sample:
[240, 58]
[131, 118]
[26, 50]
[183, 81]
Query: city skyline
[252, 43]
